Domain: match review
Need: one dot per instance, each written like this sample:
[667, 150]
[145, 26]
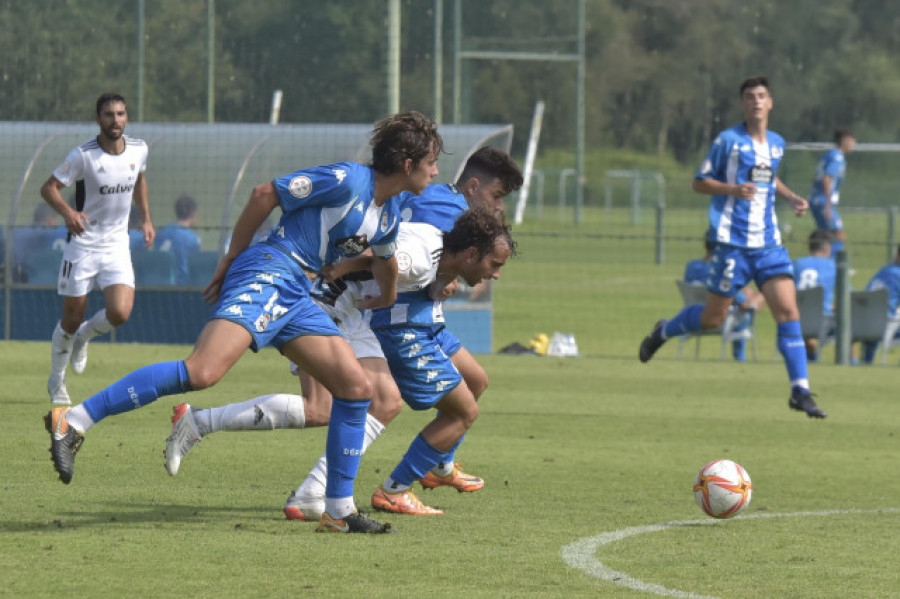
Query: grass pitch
[570, 449]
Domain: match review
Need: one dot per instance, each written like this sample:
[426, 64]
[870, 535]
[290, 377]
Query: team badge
[384, 221]
[300, 187]
[262, 323]
[404, 261]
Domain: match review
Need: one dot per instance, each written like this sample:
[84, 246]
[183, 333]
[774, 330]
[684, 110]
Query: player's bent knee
[202, 377]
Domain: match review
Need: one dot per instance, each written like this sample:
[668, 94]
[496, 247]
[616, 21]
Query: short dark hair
[840, 134]
[479, 228]
[817, 240]
[43, 211]
[752, 82]
[108, 97]
[406, 135]
[185, 207]
[710, 245]
[487, 163]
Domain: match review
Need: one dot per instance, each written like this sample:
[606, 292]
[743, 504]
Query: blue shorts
[732, 268]
[267, 293]
[419, 359]
[817, 208]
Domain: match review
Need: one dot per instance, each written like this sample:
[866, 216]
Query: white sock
[314, 484]
[802, 383]
[443, 468]
[60, 349]
[392, 486]
[97, 324]
[264, 413]
[339, 507]
[79, 419]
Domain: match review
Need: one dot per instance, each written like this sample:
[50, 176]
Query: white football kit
[104, 191]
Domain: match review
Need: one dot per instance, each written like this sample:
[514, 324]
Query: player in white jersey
[489, 175]
[108, 173]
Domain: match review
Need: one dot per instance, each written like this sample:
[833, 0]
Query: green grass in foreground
[570, 448]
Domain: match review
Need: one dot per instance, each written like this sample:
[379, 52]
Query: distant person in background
[179, 238]
[825, 194]
[43, 233]
[747, 299]
[136, 233]
[888, 277]
[108, 173]
[739, 172]
[817, 270]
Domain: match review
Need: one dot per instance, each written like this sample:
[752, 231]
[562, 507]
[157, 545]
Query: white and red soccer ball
[722, 489]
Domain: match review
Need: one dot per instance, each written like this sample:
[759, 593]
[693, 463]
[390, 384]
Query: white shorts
[354, 324]
[82, 270]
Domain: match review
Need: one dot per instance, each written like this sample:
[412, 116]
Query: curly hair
[404, 135]
[478, 228]
[487, 163]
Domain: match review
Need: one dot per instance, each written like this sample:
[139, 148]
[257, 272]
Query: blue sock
[836, 246]
[686, 321]
[343, 446]
[791, 346]
[739, 350]
[144, 385]
[450, 456]
[870, 348]
[419, 459]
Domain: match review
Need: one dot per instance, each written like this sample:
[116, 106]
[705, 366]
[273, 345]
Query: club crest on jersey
[300, 186]
[262, 323]
[353, 245]
[404, 261]
[384, 221]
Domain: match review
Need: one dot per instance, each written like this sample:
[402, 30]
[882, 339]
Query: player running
[329, 213]
[488, 176]
[739, 174]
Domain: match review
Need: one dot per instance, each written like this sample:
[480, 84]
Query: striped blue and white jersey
[735, 158]
[439, 205]
[330, 214]
[834, 165]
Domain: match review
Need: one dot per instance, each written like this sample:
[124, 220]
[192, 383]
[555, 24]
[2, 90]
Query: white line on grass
[581, 553]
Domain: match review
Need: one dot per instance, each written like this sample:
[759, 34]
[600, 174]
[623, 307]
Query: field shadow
[143, 513]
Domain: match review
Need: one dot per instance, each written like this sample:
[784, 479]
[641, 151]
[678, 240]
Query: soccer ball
[722, 489]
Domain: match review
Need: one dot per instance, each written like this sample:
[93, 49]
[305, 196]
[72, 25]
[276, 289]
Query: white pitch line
[581, 553]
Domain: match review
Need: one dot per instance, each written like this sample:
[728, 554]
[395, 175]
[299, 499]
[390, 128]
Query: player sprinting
[108, 173]
[826, 189]
[488, 176]
[740, 175]
[329, 213]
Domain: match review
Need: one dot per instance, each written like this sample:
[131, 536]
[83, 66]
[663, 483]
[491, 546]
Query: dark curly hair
[478, 228]
[404, 135]
[487, 163]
